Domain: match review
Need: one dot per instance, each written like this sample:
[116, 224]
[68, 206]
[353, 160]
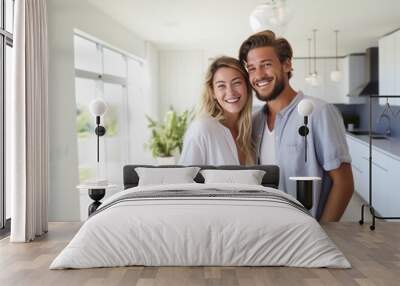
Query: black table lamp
[305, 108]
[97, 108]
[304, 190]
[304, 185]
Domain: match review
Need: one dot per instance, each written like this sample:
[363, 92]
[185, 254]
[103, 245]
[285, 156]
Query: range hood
[371, 84]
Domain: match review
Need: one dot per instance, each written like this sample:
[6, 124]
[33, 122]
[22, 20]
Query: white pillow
[163, 176]
[248, 177]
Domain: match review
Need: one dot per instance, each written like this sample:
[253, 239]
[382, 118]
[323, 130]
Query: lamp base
[96, 195]
[304, 193]
[304, 190]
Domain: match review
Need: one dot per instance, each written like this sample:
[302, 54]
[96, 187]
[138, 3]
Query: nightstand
[96, 193]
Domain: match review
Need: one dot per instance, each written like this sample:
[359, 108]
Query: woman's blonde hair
[210, 105]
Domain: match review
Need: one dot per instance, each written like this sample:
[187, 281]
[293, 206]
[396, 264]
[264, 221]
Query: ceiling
[219, 26]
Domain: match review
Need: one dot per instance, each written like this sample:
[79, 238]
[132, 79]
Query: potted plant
[167, 135]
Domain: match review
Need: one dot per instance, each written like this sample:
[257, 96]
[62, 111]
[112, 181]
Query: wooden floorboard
[374, 255]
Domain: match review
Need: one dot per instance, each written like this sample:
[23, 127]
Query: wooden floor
[375, 257]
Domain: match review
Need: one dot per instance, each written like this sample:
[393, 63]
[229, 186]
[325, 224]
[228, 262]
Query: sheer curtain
[27, 123]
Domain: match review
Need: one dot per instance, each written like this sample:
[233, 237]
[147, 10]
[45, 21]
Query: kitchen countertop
[390, 146]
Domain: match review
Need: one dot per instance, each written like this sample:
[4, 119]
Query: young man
[275, 128]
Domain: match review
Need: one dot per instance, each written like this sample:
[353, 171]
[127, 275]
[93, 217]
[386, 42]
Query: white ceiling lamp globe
[259, 18]
[308, 79]
[336, 76]
[273, 14]
[281, 13]
[97, 107]
[315, 80]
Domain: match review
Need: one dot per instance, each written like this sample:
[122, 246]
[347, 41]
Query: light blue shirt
[327, 147]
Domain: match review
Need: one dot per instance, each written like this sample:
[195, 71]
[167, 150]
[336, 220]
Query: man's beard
[278, 88]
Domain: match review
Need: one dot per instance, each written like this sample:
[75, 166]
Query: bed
[201, 224]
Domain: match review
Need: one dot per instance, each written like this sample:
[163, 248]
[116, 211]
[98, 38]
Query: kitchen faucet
[388, 131]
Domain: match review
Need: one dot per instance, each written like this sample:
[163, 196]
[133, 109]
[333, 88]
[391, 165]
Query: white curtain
[27, 123]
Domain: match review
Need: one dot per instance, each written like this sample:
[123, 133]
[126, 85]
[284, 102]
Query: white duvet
[200, 231]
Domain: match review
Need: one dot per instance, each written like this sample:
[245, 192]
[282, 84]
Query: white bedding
[200, 231]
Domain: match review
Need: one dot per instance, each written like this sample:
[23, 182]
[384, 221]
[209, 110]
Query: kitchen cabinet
[385, 182]
[385, 178]
[353, 71]
[358, 152]
[389, 67]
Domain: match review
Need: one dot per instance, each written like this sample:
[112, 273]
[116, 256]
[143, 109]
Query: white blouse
[208, 142]
[267, 156]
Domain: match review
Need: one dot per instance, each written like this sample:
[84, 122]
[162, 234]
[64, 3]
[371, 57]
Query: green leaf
[167, 135]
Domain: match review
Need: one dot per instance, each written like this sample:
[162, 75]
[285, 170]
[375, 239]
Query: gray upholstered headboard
[270, 179]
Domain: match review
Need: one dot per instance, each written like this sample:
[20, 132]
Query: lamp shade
[273, 14]
[258, 20]
[308, 79]
[336, 76]
[98, 107]
[305, 107]
[314, 80]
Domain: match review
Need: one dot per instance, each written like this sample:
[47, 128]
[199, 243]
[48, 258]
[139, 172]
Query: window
[6, 44]
[101, 72]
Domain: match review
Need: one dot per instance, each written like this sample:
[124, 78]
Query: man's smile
[263, 82]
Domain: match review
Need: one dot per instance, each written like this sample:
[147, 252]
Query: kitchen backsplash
[362, 112]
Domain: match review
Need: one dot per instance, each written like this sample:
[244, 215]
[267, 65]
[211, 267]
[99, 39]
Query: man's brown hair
[266, 38]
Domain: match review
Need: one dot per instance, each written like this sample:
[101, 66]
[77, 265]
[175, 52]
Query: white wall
[143, 101]
[63, 17]
[181, 78]
[182, 74]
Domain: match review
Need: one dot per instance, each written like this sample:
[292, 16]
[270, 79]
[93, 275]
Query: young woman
[221, 133]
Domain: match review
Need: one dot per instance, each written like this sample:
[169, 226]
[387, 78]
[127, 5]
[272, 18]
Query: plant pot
[166, 160]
